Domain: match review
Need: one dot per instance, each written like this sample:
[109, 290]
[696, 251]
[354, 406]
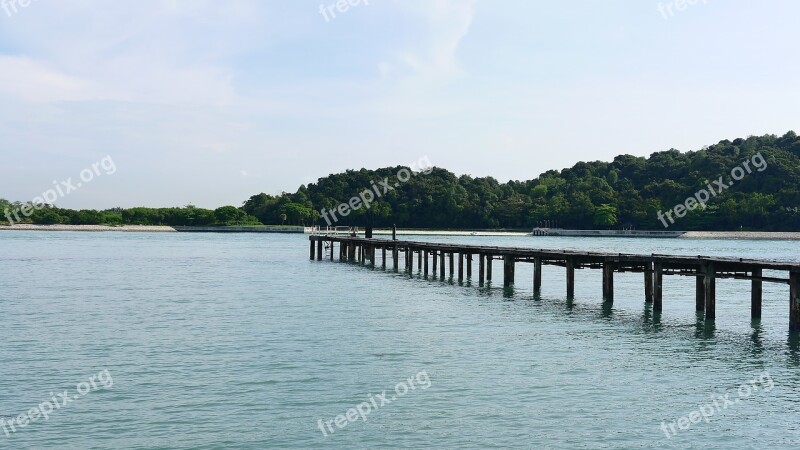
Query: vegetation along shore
[627, 193]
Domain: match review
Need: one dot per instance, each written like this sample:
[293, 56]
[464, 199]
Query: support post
[756, 295]
[419, 260]
[608, 281]
[332, 248]
[383, 254]
[481, 268]
[312, 250]
[441, 265]
[351, 249]
[460, 267]
[469, 266]
[425, 264]
[794, 301]
[435, 259]
[700, 291]
[711, 291]
[508, 270]
[658, 279]
[395, 257]
[648, 283]
[452, 265]
[570, 277]
[537, 275]
[319, 250]
[489, 259]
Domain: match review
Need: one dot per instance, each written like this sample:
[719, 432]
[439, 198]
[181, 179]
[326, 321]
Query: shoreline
[90, 228]
[743, 235]
[728, 235]
[151, 229]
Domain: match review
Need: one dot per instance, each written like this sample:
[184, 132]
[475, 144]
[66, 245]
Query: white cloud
[448, 22]
[23, 78]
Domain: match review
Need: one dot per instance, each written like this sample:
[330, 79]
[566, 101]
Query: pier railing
[706, 270]
[332, 231]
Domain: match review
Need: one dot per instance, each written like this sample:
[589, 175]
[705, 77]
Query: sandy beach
[96, 228]
[745, 235]
[449, 233]
[748, 235]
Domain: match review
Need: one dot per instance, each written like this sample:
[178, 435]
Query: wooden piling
[481, 268]
[435, 259]
[319, 250]
[700, 291]
[469, 266]
[489, 259]
[312, 250]
[710, 285]
[441, 265]
[648, 283]
[756, 294]
[419, 261]
[383, 255]
[537, 275]
[395, 257]
[608, 282]
[570, 263]
[794, 301]
[508, 270]
[425, 264]
[452, 265]
[332, 248]
[658, 280]
[460, 267]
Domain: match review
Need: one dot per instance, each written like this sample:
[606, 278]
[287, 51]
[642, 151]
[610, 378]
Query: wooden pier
[706, 270]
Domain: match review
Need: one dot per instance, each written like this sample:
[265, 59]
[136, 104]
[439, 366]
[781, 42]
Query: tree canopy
[627, 192]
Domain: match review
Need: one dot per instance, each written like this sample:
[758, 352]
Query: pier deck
[706, 270]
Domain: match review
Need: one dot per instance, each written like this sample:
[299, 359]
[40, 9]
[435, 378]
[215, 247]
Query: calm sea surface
[239, 341]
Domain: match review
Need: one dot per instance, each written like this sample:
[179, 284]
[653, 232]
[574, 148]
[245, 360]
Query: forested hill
[628, 192]
[763, 194]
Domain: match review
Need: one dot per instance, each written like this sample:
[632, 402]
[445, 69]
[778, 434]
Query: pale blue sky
[210, 102]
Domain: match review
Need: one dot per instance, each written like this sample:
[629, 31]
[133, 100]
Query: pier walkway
[459, 258]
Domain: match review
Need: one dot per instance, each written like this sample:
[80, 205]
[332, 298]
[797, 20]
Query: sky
[209, 102]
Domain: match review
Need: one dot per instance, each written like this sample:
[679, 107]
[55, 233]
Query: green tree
[605, 215]
[296, 213]
[47, 216]
[227, 215]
